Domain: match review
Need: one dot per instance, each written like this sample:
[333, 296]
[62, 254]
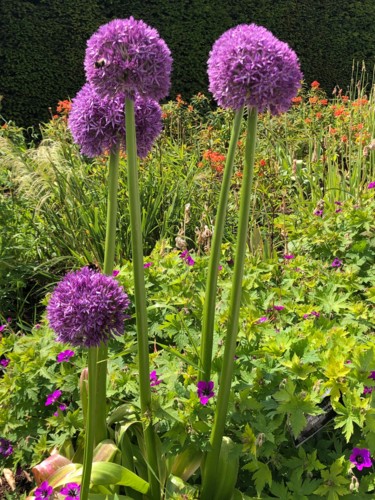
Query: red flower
[297, 100]
[323, 102]
[262, 163]
[313, 100]
[315, 85]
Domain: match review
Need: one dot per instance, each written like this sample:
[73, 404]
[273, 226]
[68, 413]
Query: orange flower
[359, 102]
[262, 163]
[238, 174]
[64, 107]
[164, 115]
[332, 131]
[319, 115]
[4, 126]
[344, 138]
[297, 100]
[307, 120]
[190, 108]
[313, 100]
[315, 85]
[179, 100]
[323, 102]
[345, 98]
[339, 112]
[55, 117]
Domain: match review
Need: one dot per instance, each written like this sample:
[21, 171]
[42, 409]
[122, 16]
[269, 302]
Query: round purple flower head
[128, 56]
[87, 307]
[248, 66]
[98, 124]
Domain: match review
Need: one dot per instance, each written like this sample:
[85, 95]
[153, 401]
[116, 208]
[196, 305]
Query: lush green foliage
[41, 65]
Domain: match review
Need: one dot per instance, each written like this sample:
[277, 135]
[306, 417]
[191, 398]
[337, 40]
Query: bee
[93, 267]
[100, 63]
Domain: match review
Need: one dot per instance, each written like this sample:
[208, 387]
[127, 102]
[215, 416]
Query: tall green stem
[140, 299]
[209, 473]
[208, 319]
[109, 257]
[90, 424]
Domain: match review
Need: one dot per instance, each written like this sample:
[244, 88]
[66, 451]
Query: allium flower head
[86, 308]
[248, 66]
[71, 490]
[205, 391]
[360, 457]
[45, 491]
[128, 56]
[97, 125]
[6, 448]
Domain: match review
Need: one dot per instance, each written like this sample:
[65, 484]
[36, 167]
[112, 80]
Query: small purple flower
[361, 457]
[62, 407]
[315, 313]
[338, 203]
[367, 390]
[147, 264]
[37, 326]
[97, 125]
[372, 375]
[187, 258]
[128, 56]
[115, 273]
[288, 256]
[6, 448]
[44, 491]
[9, 320]
[4, 362]
[306, 316]
[336, 262]
[220, 268]
[71, 490]
[87, 308]
[52, 398]
[249, 66]
[278, 308]
[2, 327]
[263, 319]
[154, 379]
[318, 213]
[371, 185]
[65, 356]
[338, 210]
[205, 391]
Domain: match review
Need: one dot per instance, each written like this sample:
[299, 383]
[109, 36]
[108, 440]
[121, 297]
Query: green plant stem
[140, 300]
[109, 257]
[210, 469]
[90, 424]
[208, 320]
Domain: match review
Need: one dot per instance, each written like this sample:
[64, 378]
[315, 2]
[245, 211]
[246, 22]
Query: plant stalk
[208, 319]
[140, 300]
[109, 257]
[210, 469]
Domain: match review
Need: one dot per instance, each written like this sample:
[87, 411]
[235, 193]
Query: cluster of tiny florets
[249, 66]
[128, 56]
[86, 308]
[98, 124]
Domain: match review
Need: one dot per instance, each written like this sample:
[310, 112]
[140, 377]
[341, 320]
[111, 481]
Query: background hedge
[43, 41]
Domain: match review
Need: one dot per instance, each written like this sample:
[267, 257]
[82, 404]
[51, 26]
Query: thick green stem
[90, 424]
[210, 469]
[208, 319]
[109, 257]
[140, 300]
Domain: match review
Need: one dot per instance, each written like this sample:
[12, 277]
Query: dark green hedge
[43, 42]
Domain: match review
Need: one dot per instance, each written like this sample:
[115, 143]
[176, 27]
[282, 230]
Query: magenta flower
[315, 313]
[371, 185]
[37, 326]
[187, 258]
[4, 362]
[372, 375]
[248, 66]
[45, 491]
[147, 264]
[336, 262]
[288, 256]
[52, 398]
[360, 457]
[6, 448]
[278, 308]
[65, 356]
[367, 390]
[318, 213]
[128, 56]
[2, 327]
[338, 210]
[71, 490]
[62, 407]
[338, 203]
[205, 391]
[306, 316]
[115, 273]
[87, 308]
[97, 125]
[263, 319]
[154, 379]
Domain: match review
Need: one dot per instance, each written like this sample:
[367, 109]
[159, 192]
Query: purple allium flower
[4, 362]
[318, 213]
[97, 125]
[52, 398]
[336, 262]
[65, 356]
[278, 308]
[360, 457]
[71, 490]
[154, 379]
[371, 185]
[263, 319]
[44, 491]
[6, 448]
[147, 264]
[115, 273]
[205, 391]
[128, 56]
[62, 407]
[86, 308]
[288, 256]
[248, 66]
